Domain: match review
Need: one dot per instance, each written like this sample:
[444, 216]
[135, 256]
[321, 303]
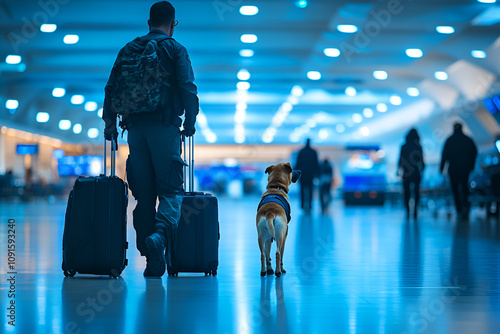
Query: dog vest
[281, 200]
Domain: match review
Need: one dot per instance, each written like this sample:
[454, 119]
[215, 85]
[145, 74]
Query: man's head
[162, 16]
[457, 127]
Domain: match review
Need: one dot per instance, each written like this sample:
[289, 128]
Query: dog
[273, 215]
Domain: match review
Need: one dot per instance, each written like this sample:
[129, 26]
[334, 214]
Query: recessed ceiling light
[249, 10]
[381, 107]
[249, 38]
[487, 1]
[357, 118]
[414, 53]
[413, 91]
[99, 112]
[350, 91]
[90, 106]
[42, 117]
[347, 28]
[294, 100]
[71, 39]
[243, 85]
[365, 131]
[77, 129]
[243, 75]
[395, 100]
[332, 52]
[368, 113]
[301, 3]
[12, 104]
[48, 28]
[445, 30]
[441, 75]
[246, 53]
[480, 54]
[314, 75]
[93, 133]
[297, 91]
[380, 75]
[340, 128]
[323, 134]
[13, 59]
[77, 99]
[64, 124]
[58, 92]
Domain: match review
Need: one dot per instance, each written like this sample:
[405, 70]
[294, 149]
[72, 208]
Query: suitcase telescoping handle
[113, 157]
[189, 159]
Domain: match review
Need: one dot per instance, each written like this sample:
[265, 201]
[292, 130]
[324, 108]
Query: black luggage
[95, 227]
[197, 237]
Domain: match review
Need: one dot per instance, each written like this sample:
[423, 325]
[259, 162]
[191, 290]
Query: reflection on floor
[355, 270]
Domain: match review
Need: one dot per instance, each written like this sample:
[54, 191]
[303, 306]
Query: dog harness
[279, 199]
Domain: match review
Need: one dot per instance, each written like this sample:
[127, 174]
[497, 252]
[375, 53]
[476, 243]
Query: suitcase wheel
[69, 273]
[214, 273]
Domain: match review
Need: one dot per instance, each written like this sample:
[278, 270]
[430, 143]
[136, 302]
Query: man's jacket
[183, 94]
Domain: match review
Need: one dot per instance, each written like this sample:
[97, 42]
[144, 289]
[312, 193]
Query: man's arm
[187, 89]
[108, 114]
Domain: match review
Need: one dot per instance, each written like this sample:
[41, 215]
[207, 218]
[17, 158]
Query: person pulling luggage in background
[150, 86]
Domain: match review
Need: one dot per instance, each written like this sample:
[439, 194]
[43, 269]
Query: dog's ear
[288, 167]
[269, 169]
[296, 175]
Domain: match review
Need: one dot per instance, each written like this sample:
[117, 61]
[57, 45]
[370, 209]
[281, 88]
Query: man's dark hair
[161, 13]
[457, 127]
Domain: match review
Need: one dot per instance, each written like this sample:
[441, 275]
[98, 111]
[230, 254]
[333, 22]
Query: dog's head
[282, 175]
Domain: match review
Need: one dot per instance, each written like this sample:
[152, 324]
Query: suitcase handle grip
[189, 159]
[113, 157]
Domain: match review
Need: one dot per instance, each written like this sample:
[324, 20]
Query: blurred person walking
[459, 153]
[411, 163]
[326, 183]
[307, 162]
[151, 85]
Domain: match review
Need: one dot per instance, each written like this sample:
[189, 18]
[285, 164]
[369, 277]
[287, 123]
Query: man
[326, 181]
[460, 153]
[307, 162]
[154, 166]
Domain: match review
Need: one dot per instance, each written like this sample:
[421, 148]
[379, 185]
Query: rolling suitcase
[95, 227]
[197, 236]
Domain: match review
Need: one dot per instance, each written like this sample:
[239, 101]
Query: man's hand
[188, 132]
[109, 135]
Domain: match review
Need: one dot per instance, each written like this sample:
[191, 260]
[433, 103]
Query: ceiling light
[414, 53]
[480, 54]
[243, 75]
[90, 106]
[42, 117]
[12, 104]
[246, 53]
[381, 107]
[249, 10]
[357, 118]
[287, 107]
[365, 131]
[99, 113]
[347, 28]
[294, 100]
[441, 75]
[71, 39]
[243, 85]
[93, 133]
[380, 75]
[239, 116]
[350, 91]
[323, 134]
[395, 100]
[340, 128]
[13, 59]
[301, 3]
[58, 92]
[77, 99]
[314, 75]
[77, 129]
[64, 124]
[48, 28]
[332, 52]
[210, 137]
[241, 106]
[487, 1]
[297, 91]
[368, 113]
[249, 38]
[445, 30]
[413, 91]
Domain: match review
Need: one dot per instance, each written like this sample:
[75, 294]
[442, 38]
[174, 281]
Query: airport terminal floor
[353, 270]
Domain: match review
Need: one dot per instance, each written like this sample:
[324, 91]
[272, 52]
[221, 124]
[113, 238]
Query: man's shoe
[156, 261]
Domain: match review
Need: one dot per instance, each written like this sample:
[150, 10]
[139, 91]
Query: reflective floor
[355, 270]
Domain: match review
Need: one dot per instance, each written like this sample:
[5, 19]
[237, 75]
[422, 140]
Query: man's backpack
[140, 83]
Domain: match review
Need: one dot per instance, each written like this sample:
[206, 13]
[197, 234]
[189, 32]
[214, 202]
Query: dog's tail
[270, 223]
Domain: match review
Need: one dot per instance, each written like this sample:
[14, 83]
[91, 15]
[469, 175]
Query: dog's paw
[270, 271]
[278, 274]
[262, 273]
